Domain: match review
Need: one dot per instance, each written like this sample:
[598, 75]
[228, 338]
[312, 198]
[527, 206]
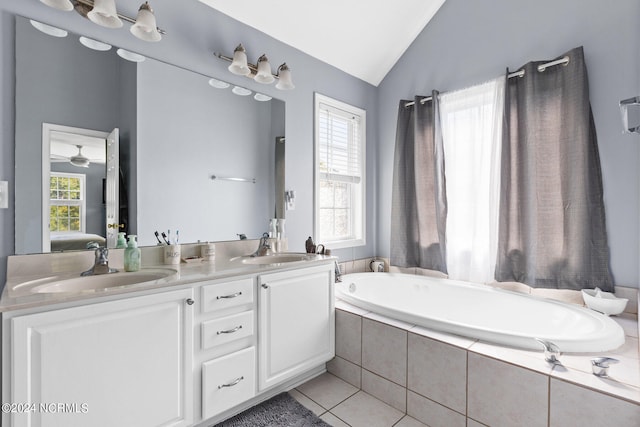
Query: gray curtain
[552, 222]
[418, 210]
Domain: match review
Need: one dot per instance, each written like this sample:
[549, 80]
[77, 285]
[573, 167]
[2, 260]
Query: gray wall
[469, 42]
[76, 99]
[195, 31]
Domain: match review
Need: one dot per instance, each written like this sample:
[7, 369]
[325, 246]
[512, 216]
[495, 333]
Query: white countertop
[28, 269]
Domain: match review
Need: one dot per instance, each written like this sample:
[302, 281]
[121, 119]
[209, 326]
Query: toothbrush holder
[172, 254]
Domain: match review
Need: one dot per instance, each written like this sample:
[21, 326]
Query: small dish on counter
[192, 259]
[604, 302]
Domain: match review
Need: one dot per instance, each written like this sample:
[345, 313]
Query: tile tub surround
[456, 381]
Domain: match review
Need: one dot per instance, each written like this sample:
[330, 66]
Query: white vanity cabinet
[121, 363]
[297, 322]
[227, 345]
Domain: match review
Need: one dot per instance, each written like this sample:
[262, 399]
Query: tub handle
[551, 351]
[600, 365]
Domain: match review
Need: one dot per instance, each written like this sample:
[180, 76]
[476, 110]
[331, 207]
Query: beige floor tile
[307, 403]
[407, 421]
[380, 388]
[363, 410]
[431, 413]
[333, 421]
[327, 390]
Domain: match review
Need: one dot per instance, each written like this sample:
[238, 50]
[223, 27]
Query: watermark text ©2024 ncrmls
[46, 408]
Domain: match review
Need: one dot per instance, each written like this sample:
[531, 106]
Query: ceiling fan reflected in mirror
[75, 156]
[79, 160]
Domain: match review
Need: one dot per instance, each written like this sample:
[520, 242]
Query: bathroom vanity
[183, 351]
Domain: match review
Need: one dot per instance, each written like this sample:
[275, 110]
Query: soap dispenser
[121, 243]
[132, 255]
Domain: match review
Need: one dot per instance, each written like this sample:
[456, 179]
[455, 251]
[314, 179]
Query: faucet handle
[600, 365]
[551, 351]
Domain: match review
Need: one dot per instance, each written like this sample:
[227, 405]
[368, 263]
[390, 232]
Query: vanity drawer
[226, 329]
[228, 381]
[226, 295]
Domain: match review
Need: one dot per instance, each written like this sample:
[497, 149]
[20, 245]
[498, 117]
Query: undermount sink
[275, 258]
[102, 281]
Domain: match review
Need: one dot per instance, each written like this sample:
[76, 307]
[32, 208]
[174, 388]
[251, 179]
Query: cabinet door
[120, 363]
[297, 323]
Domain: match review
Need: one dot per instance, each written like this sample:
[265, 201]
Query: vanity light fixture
[104, 13]
[260, 72]
[65, 5]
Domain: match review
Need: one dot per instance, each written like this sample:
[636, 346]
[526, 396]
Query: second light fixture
[261, 72]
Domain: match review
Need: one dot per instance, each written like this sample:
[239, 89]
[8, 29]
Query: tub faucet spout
[337, 272]
[551, 351]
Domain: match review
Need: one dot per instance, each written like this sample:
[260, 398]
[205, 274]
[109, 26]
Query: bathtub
[481, 312]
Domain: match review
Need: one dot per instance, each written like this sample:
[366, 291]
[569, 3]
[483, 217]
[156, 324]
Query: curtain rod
[520, 73]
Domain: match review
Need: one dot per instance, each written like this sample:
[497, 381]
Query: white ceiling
[362, 38]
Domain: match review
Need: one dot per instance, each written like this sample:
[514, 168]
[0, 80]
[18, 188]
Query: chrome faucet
[101, 265]
[263, 247]
[600, 366]
[551, 352]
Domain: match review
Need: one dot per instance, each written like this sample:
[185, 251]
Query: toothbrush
[164, 237]
[177, 237]
[169, 235]
[158, 237]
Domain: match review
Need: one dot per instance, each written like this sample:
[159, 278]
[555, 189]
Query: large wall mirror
[175, 130]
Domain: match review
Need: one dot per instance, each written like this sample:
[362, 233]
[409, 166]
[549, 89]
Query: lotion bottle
[132, 255]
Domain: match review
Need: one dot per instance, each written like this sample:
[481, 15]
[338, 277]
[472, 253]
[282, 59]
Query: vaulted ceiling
[362, 38]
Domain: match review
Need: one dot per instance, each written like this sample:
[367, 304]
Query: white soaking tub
[481, 312]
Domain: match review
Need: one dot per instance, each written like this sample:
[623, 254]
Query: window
[340, 173]
[66, 202]
[471, 121]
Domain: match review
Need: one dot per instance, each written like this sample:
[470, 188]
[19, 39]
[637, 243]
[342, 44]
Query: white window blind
[340, 173]
[339, 133]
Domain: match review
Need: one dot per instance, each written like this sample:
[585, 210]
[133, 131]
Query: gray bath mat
[279, 411]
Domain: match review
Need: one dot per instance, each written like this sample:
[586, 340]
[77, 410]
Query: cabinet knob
[189, 301]
[265, 286]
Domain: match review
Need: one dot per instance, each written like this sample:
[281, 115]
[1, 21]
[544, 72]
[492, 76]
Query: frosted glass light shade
[104, 13]
[48, 29]
[65, 5]
[284, 81]
[94, 44]
[130, 56]
[264, 71]
[239, 65]
[145, 27]
[241, 91]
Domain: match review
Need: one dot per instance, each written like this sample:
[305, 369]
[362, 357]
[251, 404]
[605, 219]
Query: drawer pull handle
[189, 301]
[230, 331]
[237, 294]
[231, 384]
